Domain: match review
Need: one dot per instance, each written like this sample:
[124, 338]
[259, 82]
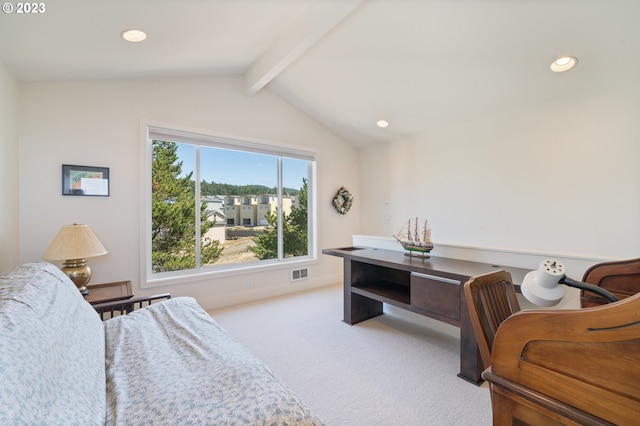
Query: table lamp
[542, 287]
[73, 244]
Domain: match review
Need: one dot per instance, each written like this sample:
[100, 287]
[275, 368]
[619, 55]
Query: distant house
[249, 211]
[269, 202]
[217, 231]
[232, 210]
[214, 203]
[252, 210]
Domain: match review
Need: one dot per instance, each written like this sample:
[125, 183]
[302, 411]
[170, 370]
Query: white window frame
[150, 131]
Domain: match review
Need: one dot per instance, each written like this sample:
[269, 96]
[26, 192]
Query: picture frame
[85, 181]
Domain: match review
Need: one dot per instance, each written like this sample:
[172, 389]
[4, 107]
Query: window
[215, 203]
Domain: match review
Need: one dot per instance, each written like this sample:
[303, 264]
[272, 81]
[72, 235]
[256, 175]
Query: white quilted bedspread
[51, 351]
[173, 364]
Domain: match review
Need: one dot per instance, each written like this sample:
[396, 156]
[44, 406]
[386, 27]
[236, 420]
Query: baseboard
[255, 294]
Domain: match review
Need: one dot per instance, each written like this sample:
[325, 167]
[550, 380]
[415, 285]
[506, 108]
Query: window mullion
[280, 212]
[198, 237]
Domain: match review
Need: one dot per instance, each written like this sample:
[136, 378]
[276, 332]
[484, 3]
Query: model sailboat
[416, 241]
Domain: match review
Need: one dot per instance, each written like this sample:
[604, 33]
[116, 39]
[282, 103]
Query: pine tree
[173, 214]
[294, 232]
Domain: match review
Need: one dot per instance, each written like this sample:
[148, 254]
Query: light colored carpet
[390, 370]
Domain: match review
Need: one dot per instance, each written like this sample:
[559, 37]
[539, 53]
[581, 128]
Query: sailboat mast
[424, 232]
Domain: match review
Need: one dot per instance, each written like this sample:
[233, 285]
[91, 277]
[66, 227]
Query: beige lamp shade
[73, 244]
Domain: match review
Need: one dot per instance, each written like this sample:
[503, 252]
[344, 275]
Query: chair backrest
[491, 298]
[622, 278]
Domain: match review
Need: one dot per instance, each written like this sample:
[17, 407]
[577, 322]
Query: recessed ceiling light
[133, 36]
[382, 123]
[564, 63]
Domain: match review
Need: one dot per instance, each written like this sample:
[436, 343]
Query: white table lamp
[542, 287]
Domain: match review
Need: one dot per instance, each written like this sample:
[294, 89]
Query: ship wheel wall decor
[342, 200]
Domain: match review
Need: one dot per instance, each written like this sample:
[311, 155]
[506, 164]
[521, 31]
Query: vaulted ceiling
[348, 63]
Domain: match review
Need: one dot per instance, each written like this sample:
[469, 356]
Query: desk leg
[471, 366]
[360, 308]
[357, 308]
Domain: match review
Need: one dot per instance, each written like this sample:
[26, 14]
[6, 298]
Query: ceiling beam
[318, 21]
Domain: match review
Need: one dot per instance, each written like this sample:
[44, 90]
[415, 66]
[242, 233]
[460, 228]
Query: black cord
[589, 287]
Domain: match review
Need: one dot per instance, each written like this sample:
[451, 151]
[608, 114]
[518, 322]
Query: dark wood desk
[431, 287]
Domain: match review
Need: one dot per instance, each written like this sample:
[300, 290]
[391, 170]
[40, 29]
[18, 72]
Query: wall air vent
[299, 274]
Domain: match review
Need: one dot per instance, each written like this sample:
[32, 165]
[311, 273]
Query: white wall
[98, 123]
[9, 241]
[560, 178]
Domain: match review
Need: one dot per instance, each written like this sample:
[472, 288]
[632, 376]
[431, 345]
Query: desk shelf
[385, 291]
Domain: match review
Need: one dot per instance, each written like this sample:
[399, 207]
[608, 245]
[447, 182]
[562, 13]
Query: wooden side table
[109, 292]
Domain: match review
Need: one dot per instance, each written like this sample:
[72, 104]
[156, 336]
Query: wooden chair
[568, 366]
[491, 298]
[622, 278]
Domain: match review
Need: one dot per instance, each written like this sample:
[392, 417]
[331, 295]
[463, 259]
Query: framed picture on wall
[85, 180]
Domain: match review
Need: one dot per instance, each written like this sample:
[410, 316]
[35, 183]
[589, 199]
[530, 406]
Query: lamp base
[79, 272]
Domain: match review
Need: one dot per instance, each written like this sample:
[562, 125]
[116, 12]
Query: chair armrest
[122, 307]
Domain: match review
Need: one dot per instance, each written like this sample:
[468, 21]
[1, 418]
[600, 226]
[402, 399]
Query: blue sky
[242, 168]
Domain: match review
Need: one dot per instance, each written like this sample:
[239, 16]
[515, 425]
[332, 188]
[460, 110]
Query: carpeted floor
[390, 370]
